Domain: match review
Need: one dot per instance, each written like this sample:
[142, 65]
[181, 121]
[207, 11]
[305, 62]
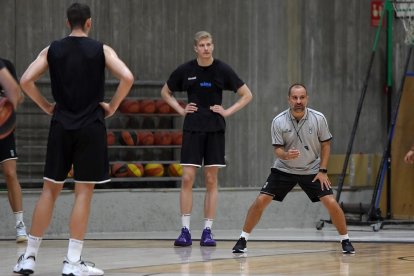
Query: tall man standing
[77, 132]
[302, 143]
[204, 80]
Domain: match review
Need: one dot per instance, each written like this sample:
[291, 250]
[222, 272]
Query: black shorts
[8, 148]
[279, 184]
[203, 148]
[85, 148]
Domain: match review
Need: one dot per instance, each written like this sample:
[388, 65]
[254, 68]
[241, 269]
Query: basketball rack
[370, 214]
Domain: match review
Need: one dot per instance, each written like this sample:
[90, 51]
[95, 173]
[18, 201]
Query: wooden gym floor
[389, 251]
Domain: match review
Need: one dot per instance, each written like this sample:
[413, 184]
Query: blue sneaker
[184, 239]
[207, 238]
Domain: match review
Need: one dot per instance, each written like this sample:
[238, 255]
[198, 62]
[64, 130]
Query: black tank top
[77, 73]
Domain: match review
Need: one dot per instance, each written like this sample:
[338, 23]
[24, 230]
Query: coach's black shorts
[8, 148]
[85, 148]
[203, 148]
[279, 184]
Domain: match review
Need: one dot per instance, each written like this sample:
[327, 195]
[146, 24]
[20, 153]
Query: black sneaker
[347, 247]
[240, 246]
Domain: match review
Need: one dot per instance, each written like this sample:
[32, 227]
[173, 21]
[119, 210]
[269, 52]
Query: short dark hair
[77, 15]
[297, 85]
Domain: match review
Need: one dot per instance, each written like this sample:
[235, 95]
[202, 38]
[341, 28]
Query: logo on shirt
[12, 153]
[286, 130]
[310, 130]
[205, 84]
[265, 185]
[192, 78]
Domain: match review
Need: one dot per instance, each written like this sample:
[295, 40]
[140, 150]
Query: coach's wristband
[323, 170]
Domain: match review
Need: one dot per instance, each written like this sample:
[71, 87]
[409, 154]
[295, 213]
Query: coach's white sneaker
[25, 266]
[21, 235]
[80, 268]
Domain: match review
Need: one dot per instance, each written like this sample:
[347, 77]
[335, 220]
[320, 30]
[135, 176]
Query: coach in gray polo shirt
[301, 141]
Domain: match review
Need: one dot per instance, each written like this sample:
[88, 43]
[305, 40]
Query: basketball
[175, 169]
[162, 107]
[119, 170]
[154, 169]
[129, 106]
[135, 170]
[177, 137]
[110, 138]
[7, 117]
[145, 137]
[128, 138]
[162, 138]
[147, 106]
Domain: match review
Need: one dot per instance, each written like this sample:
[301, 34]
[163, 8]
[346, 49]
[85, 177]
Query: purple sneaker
[207, 238]
[184, 239]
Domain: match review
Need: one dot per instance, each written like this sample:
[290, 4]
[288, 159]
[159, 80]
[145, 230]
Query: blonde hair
[201, 35]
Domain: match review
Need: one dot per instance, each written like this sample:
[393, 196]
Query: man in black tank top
[204, 80]
[77, 132]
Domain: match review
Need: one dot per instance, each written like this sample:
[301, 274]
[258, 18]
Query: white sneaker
[25, 266]
[21, 235]
[80, 268]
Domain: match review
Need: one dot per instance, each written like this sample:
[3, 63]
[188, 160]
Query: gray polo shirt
[305, 135]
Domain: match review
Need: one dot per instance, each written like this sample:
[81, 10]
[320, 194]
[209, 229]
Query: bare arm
[35, 70]
[10, 86]
[323, 177]
[166, 94]
[245, 97]
[118, 68]
[286, 155]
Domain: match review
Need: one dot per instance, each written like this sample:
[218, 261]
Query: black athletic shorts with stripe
[8, 148]
[203, 148]
[279, 184]
[85, 148]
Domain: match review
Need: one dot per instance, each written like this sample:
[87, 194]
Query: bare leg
[210, 199]
[44, 208]
[336, 213]
[255, 212]
[13, 186]
[186, 193]
[81, 210]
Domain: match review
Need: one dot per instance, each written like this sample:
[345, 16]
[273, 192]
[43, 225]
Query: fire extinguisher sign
[377, 8]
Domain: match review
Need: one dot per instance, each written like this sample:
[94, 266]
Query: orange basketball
[135, 170]
[119, 170]
[162, 138]
[177, 138]
[145, 137]
[110, 138]
[162, 107]
[175, 169]
[147, 106]
[7, 117]
[129, 106]
[128, 138]
[154, 169]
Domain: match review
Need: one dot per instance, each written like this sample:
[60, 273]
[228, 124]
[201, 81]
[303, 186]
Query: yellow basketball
[154, 169]
[175, 169]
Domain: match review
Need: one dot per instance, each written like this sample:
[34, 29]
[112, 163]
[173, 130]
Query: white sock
[19, 217]
[244, 235]
[344, 237]
[74, 250]
[33, 244]
[185, 220]
[208, 223]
